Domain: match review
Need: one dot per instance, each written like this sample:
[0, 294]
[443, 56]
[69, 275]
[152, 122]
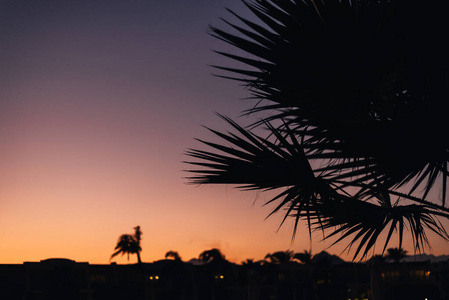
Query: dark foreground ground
[221, 280]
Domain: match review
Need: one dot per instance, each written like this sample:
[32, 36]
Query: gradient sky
[98, 102]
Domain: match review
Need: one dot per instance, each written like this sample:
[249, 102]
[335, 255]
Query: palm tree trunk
[142, 275]
[139, 261]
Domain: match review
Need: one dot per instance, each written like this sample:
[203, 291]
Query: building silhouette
[222, 280]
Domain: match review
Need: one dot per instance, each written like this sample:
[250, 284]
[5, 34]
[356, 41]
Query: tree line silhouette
[129, 244]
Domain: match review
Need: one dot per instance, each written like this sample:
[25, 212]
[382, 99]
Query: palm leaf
[360, 114]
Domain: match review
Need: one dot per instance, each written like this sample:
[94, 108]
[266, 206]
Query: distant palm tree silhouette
[280, 256]
[353, 95]
[129, 244]
[378, 258]
[396, 254]
[304, 257]
[248, 262]
[173, 254]
[211, 255]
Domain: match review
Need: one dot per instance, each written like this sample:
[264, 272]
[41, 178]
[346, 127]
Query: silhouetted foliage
[324, 259]
[211, 255]
[353, 95]
[280, 256]
[129, 244]
[248, 262]
[377, 259]
[396, 254]
[304, 257]
[173, 254]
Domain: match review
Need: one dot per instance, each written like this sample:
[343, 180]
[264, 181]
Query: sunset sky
[99, 100]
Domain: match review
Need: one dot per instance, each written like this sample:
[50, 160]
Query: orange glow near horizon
[230, 222]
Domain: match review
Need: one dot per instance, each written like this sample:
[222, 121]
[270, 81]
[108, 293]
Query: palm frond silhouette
[280, 256]
[353, 95]
[129, 244]
[173, 255]
[211, 255]
[396, 254]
